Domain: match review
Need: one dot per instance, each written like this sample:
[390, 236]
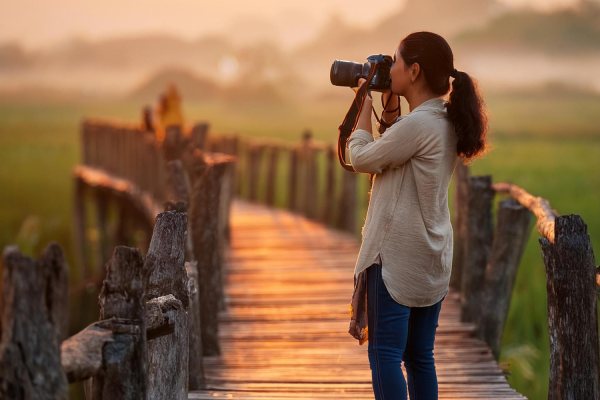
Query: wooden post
[329, 205]
[173, 144]
[30, 366]
[236, 151]
[168, 355]
[204, 210]
[572, 311]
[198, 135]
[123, 223]
[85, 142]
[347, 203]
[255, 157]
[223, 165]
[124, 371]
[272, 170]
[310, 184]
[293, 180]
[164, 264]
[478, 244]
[103, 255]
[196, 365]
[461, 209]
[56, 273]
[168, 349]
[227, 195]
[177, 184]
[92, 144]
[160, 179]
[178, 193]
[512, 231]
[79, 219]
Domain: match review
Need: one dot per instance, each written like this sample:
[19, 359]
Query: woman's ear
[415, 69]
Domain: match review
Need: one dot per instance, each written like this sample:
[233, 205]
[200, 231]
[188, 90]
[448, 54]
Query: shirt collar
[434, 104]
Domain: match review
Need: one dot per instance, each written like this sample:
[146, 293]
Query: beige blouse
[407, 228]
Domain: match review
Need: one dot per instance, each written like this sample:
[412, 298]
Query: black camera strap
[351, 119]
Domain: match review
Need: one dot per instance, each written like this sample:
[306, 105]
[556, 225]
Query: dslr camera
[347, 73]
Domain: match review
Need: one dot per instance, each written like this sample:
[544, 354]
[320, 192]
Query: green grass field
[548, 145]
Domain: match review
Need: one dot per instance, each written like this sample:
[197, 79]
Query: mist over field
[502, 46]
[261, 69]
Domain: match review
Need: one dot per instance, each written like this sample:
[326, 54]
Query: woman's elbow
[360, 163]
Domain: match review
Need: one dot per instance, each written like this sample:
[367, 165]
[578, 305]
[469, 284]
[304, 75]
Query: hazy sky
[38, 23]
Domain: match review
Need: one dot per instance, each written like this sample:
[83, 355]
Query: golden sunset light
[316, 199]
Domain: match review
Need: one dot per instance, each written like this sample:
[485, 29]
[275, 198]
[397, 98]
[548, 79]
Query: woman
[406, 252]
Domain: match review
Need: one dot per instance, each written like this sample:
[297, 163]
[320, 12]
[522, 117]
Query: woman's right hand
[361, 81]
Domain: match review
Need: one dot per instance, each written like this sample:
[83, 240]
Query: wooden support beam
[31, 325]
[103, 254]
[198, 135]
[461, 210]
[572, 311]
[205, 220]
[196, 364]
[347, 202]
[310, 181]
[124, 373]
[293, 179]
[478, 241]
[272, 169]
[164, 263]
[328, 206]
[79, 231]
[255, 155]
[510, 237]
[168, 353]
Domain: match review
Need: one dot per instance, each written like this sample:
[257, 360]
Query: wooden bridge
[284, 332]
[238, 300]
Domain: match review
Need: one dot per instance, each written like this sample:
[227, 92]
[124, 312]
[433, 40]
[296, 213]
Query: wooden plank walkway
[284, 334]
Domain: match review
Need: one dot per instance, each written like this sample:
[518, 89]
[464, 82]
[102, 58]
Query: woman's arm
[401, 142]
[364, 119]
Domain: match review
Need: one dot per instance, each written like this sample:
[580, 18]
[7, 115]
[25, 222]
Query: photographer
[406, 252]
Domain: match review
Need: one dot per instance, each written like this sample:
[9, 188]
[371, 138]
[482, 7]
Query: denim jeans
[399, 333]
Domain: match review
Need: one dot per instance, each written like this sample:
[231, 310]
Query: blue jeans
[399, 333]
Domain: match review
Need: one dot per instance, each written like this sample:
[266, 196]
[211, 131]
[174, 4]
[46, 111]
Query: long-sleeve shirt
[407, 228]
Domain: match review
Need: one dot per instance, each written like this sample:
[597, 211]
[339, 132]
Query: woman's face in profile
[399, 74]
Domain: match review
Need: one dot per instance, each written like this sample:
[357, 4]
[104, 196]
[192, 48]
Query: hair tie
[454, 73]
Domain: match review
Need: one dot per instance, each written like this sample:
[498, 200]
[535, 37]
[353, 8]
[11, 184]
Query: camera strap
[351, 119]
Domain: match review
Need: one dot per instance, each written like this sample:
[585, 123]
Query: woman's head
[429, 54]
[434, 57]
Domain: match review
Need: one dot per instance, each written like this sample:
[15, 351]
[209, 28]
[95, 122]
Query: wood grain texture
[284, 334]
[30, 365]
[572, 311]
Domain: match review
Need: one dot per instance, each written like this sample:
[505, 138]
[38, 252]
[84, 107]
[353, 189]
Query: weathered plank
[284, 332]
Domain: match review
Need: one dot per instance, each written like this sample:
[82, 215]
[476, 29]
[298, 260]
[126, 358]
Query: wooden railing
[139, 347]
[158, 309]
[304, 178]
[189, 172]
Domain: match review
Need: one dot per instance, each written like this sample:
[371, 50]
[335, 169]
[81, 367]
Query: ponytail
[466, 112]
[465, 108]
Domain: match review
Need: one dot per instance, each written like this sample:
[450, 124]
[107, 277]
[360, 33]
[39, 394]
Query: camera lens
[345, 73]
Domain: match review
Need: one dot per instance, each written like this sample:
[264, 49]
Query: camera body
[347, 73]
